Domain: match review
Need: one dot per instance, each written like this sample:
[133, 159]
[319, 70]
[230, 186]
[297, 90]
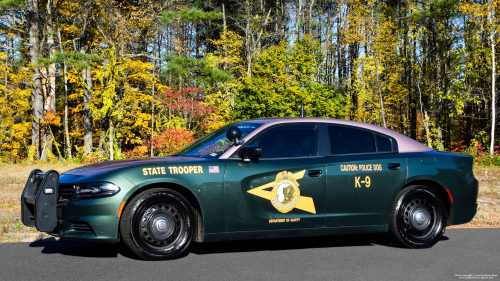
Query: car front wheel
[418, 217]
[158, 224]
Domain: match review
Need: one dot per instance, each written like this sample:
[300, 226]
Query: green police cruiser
[258, 179]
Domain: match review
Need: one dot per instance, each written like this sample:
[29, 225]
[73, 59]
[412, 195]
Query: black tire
[418, 217]
[158, 224]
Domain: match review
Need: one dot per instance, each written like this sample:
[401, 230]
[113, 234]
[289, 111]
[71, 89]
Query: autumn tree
[484, 17]
[283, 76]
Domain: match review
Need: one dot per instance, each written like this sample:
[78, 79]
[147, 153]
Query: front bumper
[44, 206]
[90, 220]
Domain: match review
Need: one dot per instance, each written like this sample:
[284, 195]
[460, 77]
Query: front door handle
[393, 166]
[314, 173]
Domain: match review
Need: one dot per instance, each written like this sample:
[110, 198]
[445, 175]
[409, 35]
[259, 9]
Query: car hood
[108, 166]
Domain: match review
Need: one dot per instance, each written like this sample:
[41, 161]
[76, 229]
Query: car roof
[405, 144]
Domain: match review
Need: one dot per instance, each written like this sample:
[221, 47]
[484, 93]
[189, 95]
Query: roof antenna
[302, 109]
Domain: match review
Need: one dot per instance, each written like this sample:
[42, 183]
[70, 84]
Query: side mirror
[250, 152]
[233, 134]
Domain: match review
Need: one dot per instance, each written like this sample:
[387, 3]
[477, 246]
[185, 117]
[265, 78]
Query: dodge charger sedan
[260, 178]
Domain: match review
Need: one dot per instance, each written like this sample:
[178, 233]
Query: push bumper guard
[39, 200]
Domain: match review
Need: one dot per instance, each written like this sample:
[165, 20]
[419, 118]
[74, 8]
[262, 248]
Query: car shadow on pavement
[295, 243]
[273, 244]
[277, 244]
[81, 249]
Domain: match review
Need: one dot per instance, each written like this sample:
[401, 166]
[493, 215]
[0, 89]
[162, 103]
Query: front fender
[207, 188]
[157, 182]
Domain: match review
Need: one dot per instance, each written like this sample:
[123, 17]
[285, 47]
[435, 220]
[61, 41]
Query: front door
[284, 189]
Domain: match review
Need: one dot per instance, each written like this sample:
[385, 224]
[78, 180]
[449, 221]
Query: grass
[488, 213]
[13, 178]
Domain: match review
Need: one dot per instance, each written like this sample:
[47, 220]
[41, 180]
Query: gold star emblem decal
[285, 195]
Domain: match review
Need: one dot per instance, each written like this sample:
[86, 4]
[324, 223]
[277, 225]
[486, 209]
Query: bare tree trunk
[493, 96]
[153, 111]
[65, 79]
[338, 51]
[413, 122]
[50, 100]
[104, 119]
[87, 94]
[377, 77]
[253, 25]
[439, 82]
[493, 80]
[248, 40]
[439, 103]
[425, 119]
[111, 133]
[423, 114]
[326, 48]
[87, 114]
[249, 63]
[309, 28]
[297, 20]
[6, 70]
[224, 18]
[33, 18]
[379, 89]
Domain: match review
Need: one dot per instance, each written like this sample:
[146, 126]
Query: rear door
[285, 188]
[364, 172]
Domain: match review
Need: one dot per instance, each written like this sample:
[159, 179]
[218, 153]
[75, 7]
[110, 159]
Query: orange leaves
[51, 118]
[137, 152]
[170, 141]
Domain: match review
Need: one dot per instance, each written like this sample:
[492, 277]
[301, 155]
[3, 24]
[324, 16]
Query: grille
[81, 227]
[65, 192]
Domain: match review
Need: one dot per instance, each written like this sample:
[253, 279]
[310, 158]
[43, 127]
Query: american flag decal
[213, 169]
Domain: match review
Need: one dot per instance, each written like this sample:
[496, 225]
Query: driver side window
[288, 142]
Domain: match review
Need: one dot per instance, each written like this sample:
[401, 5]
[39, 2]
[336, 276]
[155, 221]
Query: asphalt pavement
[462, 254]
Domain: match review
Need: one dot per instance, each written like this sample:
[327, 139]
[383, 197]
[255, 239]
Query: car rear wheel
[418, 217]
[158, 224]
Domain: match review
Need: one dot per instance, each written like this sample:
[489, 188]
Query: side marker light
[121, 209]
[449, 194]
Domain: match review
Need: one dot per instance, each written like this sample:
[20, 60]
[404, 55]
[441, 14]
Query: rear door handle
[393, 166]
[314, 173]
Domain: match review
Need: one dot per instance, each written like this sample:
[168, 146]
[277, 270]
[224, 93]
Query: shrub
[479, 152]
[137, 152]
[170, 141]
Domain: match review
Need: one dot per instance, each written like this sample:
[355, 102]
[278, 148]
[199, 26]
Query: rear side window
[384, 144]
[344, 140]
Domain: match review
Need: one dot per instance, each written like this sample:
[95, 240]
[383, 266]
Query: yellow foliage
[229, 57]
[15, 106]
[229, 52]
[16, 138]
[377, 34]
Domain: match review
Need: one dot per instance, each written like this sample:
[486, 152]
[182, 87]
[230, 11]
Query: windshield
[215, 143]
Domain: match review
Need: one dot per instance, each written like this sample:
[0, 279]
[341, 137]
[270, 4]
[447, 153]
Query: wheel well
[441, 191]
[198, 235]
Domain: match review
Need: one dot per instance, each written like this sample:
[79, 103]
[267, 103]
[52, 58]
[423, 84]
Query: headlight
[95, 190]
